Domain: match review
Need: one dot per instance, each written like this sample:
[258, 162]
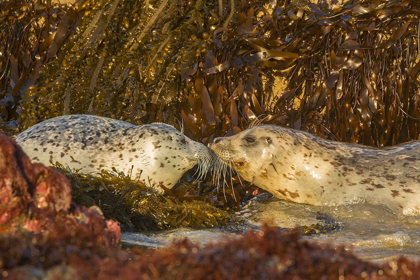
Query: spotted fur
[303, 168]
[156, 154]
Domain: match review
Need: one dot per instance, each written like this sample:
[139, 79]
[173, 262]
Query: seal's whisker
[257, 122]
[231, 184]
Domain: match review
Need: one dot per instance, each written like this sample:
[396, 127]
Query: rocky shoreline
[46, 236]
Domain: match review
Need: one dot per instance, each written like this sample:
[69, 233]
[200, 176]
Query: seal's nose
[217, 140]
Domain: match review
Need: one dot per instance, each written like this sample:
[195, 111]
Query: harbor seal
[155, 154]
[303, 168]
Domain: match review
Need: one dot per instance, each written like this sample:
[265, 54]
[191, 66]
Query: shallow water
[373, 232]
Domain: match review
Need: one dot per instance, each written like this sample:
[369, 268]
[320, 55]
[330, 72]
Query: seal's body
[156, 154]
[303, 168]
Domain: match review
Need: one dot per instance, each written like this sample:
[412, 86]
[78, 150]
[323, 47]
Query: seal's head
[247, 151]
[167, 154]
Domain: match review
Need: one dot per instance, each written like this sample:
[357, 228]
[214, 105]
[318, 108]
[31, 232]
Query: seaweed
[137, 207]
[270, 253]
[31, 34]
[349, 74]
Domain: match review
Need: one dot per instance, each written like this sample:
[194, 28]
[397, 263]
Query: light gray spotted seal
[155, 154]
[303, 168]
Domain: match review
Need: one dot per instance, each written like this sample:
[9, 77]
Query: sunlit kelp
[138, 207]
[124, 62]
[31, 34]
[351, 74]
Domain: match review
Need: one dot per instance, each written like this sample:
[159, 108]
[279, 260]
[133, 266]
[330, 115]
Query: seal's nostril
[217, 140]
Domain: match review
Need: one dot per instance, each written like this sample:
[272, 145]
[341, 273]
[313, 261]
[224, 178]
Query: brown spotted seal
[303, 168]
[155, 154]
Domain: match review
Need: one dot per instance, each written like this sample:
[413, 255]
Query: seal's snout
[217, 140]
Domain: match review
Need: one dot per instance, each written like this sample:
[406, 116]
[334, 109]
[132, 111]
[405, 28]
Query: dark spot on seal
[370, 189]
[274, 167]
[366, 181]
[73, 160]
[378, 186]
[169, 138]
[291, 194]
[156, 144]
[390, 177]
[395, 193]
[408, 190]
[162, 165]
[62, 154]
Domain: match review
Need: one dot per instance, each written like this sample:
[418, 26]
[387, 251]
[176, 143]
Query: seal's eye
[249, 139]
[268, 140]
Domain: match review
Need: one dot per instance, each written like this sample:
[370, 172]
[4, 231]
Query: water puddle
[373, 232]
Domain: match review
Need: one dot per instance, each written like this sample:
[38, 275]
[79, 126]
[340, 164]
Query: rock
[37, 198]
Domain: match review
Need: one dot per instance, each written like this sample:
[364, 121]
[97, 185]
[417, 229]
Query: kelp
[124, 62]
[137, 207]
[350, 74]
[31, 35]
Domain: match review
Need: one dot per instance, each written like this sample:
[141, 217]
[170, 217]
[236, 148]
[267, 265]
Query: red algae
[269, 253]
[36, 198]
